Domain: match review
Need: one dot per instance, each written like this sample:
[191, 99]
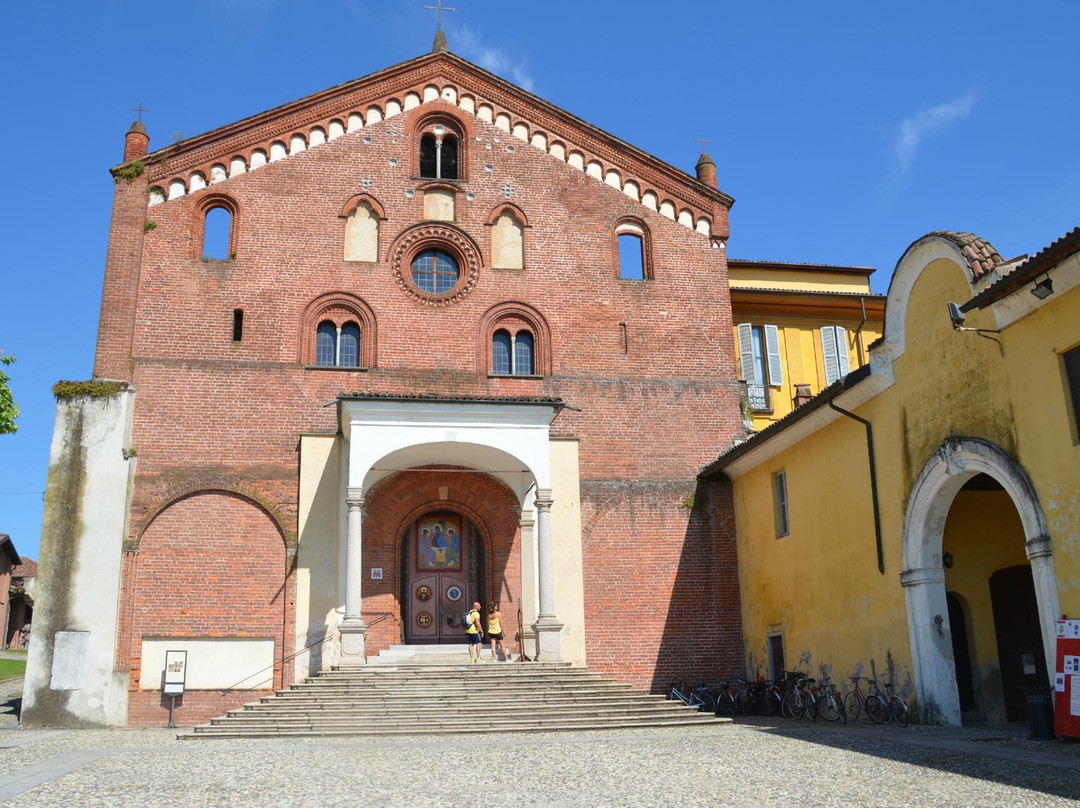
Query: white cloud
[914, 130]
[465, 42]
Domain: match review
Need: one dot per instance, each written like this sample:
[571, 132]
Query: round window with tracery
[435, 264]
[435, 272]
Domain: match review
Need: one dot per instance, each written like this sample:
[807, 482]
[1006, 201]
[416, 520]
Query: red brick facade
[648, 365]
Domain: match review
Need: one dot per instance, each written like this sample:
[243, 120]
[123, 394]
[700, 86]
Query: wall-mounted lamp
[946, 561]
[957, 318]
[1043, 289]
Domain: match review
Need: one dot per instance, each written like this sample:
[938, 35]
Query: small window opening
[217, 227]
[237, 325]
[780, 499]
[1072, 376]
[435, 272]
[349, 356]
[777, 663]
[500, 352]
[631, 257]
[523, 354]
[427, 156]
[448, 158]
[326, 345]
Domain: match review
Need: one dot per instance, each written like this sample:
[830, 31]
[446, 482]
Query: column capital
[543, 500]
[354, 497]
[922, 577]
[1039, 547]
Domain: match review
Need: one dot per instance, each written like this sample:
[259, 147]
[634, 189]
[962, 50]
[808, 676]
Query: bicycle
[698, 696]
[898, 709]
[830, 704]
[875, 706]
[733, 699]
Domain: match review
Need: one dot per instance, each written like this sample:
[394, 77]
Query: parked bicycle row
[793, 694]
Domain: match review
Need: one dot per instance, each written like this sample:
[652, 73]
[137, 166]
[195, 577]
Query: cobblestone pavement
[723, 764]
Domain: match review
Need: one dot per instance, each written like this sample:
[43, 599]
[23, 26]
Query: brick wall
[653, 407]
[211, 565]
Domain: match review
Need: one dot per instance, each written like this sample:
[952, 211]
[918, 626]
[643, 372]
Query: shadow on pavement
[1002, 757]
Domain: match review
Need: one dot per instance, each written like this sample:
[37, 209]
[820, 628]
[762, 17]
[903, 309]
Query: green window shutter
[746, 353]
[772, 348]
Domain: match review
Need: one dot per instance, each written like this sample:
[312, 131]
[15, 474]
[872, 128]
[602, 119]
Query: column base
[353, 636]
[548, 639]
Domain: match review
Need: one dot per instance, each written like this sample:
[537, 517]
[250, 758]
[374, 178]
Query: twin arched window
[337, 346]
[439, 154]
[512, 354]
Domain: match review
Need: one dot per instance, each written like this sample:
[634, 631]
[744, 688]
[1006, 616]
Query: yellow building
[920, 518]
[798, 328]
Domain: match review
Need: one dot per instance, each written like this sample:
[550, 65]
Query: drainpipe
[873, 481]
[858, 331]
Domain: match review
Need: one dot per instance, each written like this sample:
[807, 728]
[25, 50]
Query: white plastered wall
[566, 535]
[319, 536]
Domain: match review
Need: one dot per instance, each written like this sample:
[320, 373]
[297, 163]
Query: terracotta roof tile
[27, 569]
[1027, 270]
[980, 254]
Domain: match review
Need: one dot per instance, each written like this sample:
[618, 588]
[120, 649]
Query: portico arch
[955, 462]
[507, 438]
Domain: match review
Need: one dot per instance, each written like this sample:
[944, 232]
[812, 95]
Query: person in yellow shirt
[495, 632]
[474, 634]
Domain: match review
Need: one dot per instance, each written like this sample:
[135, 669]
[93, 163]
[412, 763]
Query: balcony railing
[757, 396]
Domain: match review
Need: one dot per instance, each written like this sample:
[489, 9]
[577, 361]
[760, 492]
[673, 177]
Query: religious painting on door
[441, 561]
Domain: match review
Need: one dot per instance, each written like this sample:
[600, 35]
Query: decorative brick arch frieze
[515, 316]
[244, 489]
[436, 236]
[340, 308]
[512, 209]
[372, 202]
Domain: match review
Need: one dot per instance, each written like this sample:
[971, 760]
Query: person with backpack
[473, 632]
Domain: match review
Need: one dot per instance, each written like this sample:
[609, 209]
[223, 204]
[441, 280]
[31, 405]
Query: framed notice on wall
[175, 673]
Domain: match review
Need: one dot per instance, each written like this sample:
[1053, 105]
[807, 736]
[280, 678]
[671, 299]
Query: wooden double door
[442, 562]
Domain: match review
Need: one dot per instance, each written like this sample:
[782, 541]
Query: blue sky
[844, 130]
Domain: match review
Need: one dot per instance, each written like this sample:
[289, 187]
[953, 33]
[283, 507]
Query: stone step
[439, 698]
[434, 707]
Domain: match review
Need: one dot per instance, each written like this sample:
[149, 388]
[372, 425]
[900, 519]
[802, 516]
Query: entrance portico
[506, 439]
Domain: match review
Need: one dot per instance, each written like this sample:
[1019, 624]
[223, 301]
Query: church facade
[416, 340]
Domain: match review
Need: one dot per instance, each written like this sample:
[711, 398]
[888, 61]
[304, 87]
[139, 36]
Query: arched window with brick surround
[633, 251]
[363, 215]
[440, 137]
[337, 330]
[507, 224]
[516, 341]
[217, 228]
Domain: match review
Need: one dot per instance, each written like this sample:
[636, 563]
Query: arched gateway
[437, 491]
[957, 461]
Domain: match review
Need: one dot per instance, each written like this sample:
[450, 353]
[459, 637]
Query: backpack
[466, 619]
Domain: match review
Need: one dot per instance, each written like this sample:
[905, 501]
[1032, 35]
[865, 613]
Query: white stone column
[931, 646]
[352, 629]
[548, 627]
[1040, 552]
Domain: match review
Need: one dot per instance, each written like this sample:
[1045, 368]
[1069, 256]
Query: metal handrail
[522, 657]
[271, 667]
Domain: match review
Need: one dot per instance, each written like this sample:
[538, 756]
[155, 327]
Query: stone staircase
[435, 694]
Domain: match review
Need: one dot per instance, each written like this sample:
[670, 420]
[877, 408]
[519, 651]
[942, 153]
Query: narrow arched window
[326, 345]
[217, 231]
[448, 158]
[500, 352]
[523, 354]
[631, 256]
[428, 166]
[434, 272]
[349, 355]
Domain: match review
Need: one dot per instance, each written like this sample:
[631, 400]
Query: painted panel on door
[438, 588]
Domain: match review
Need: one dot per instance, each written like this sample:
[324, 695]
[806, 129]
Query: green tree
[9, 410]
